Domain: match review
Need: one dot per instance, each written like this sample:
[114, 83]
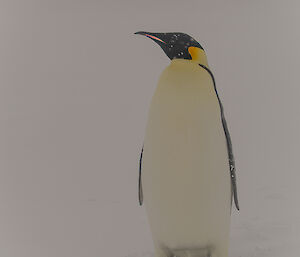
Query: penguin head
[176, 45]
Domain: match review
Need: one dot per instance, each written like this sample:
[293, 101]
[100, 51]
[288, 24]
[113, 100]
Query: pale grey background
[75, 87]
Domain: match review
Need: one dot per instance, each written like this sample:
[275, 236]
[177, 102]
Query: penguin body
[186, 184]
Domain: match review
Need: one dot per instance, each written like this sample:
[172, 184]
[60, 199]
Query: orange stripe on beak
[156, 38]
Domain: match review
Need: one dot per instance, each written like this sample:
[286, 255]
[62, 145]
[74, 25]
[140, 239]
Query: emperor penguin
[187, 169]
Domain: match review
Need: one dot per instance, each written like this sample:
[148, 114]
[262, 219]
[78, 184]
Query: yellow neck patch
[198, 55]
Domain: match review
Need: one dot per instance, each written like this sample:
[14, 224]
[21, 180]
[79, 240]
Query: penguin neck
[198, 56]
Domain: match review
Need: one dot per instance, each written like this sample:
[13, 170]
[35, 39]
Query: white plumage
[185, 175]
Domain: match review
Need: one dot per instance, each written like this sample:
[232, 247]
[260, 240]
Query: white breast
[185, 176]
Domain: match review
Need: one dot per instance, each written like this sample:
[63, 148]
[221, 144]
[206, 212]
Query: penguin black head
[176, 45]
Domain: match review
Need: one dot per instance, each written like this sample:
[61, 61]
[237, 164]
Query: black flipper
[229, 144]
[140, 189]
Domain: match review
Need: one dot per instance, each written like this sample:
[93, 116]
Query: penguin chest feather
[186, 183]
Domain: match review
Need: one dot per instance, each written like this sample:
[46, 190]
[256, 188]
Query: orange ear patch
[194, 52]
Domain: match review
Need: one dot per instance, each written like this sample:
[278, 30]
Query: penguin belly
[185, 173]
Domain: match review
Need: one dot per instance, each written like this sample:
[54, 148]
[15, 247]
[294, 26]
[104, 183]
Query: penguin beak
[153, 36]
